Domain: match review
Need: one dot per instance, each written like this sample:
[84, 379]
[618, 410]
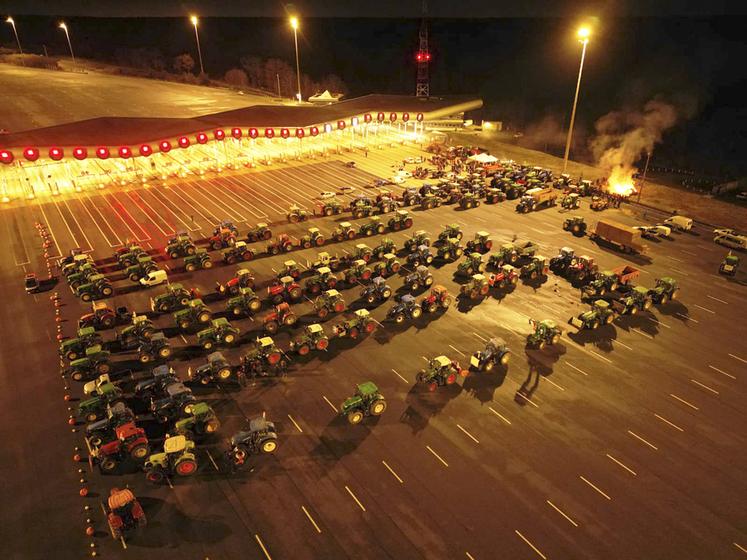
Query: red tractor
[243, 279]
[282, 243]
[129, 441]
[223, 237]
[104, 317]
[284, 289]
[439, 298]
[123, 513]
[280, 315]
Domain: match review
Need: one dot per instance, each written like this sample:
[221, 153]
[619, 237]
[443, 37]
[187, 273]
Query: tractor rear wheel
[484, 290]
[474, 294]
[339, 307]
[231, 259]
[371, 299]
[322, 312]
[609, 318]
[185, 467]
[322, 344]
[290, 320]
[269, 446]
[224, 373]
[155, 475]
[408, 222]
[164, 352]
[634, 310]
[139, 451]
[488, 366]
[664, 299]
[315, 289]
[353, 332]
[295, 293]
[303, 349]
[542, 344]
[145, 358]
[451, 378]
[386, 294]
[377, 407]
[351, 234]
[101, 369]
[355, 417]
[107, 464]
[399, 318]
[204, 317]
[86, 297]
[370, 327]
[416, 312]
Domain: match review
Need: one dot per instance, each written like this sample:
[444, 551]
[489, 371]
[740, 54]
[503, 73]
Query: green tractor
[367, 401]
[451, 231]
[297, 214]
[178, 457]
[471, 265]
[575, 224]
[387, 245]
[361, 251]
[201, 421]
[244, 304]
[141, 268]
[388, 266]
[536, 268]
[362, 209]
[201, 259]
[450, 250]
[419, 238]
[141, 328]
[155, 348]
[570, 202]
[75, 263]
[216, 370]
[95, 362]
[330, 207]
[632, 301]
[328, 302]
[601, 313]
[82, 276]
[343, 231]
[481, 243]
[180, 246]
[478, 287]
[176, 297]
[101, 393]
[440, 371]
[401, 220]
[314, 238]
[358, 272]
[430, 201]
[666, 289]
[494, 195]
[372, 227]
[601, 283]
[353, 328]
[220, 331]
[546, 333]
[506, 253]
[312, 338]
[74, 348]
[191, 316]
[324, 279]
[729, 265]
[469, 200]
[240, 251]
[514, 190]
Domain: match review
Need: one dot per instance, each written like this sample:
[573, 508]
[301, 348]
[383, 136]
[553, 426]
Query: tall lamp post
[294, 25]
[63, 26]
[15, 32]
[194, 21]
[583, 36]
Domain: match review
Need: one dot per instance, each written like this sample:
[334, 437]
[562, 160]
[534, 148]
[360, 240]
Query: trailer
[626, 274]
[537, 198]
[620, 236]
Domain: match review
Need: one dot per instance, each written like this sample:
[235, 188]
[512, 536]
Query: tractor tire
[386, 294]
[268, 446]
[274, 250]
[185, 467]
[145, 358]
[207, 345]
[416, 312]
[487, 247]
[78, 375]
[293, 219]
[86, 297]
[331, 283]
[487, 367]
[481, 267]
[204, 317]
[93, 416]
[380, 229]
[139, 452]
[674, 295]
[432, 307]
[351, 234]
[484, 290]
[355, 417]
[229, 338]
[647, 305]
[369, 327]
[395, 226]
[322, 312]
[107, 465]
[664, 299]
[231, 260]
[505, 359]
[295, 293]
[329, 211]
[288, 247]
[315, 289]
[469, 271]
[163, 307]
[609, 318]
[395, 267]
[542, 345]
[290, 320]
[594, 325]
[101, 369]
[429, 260]
[377, 407]
[581, 276]
[451, 378]
[474, 294]
[303, 349]
[458, 253]
[408, 223]
[513, 258]
[369, 232]
[533, 275]
[634, 310]
[432, 387]
[576, 228]
[164, 353]
[371, 299]
[107, 322]
[206, 380]
[174, 255]
[96, 440]
[223, 373]
[191, 251]
[72, 355]
[415, 285]
[555, 339]
[339, 307]
[190, 267]
[319, 241]
[446, 255]
[399, 318]
[237, 311]
[155, 476]
[354, 333]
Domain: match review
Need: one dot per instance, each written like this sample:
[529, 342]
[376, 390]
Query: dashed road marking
[534, 548]
[716, 299]
[740, 547]
[714, 368]
[653, 320]
[391, 470]
[638, 331]
[437, 456]
[683, 401]
[675, 426]
[398, 375]
[686, 317]
[215, 465]
[295, 423]
[457, 351]
[594, 487]
[706, 387]
[561, 512]
[527, 399]
[469, 435]
[318, 530]
[651, 445]
[262, 546]
[551, 382]
[481, 338]
[574, 367]
[600, 356]
[499, 415]
[357, 501]
[469, 556]
[330, 404]
[705, 308]
[622, 344]
[620, 463]
[738, 358]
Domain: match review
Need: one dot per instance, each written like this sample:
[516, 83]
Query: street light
[69, 44]
[294, 25]
[583, 36]
[194, 21]
[15, 32]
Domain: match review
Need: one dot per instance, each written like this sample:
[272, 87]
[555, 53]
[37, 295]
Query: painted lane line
[262, 546]
[534, 548]
[469, 556]
[391, 470]
[357, 501]
[457, 351]
[398, 375]
[688, 253]
[675, 426]
[437, 456]
[69, 230]
[678, 271]
[318, 530]
[469, 435]
[683, 401]
[738, 358]
[96, 223]
[658, 322]
[426, 359]
[561, 512]
[499, 415]
[330, 404]
[295, 423]
[574, 367]
[716, 299]
[77, 223]
[704, 308]
[686, 317]
[484, 339]
[706, 387]
[527, 399]
[637, 331]
[623, 345]
[594, 487]
[631, 471]
[651, 445]
[184, 340]
[740, 547]
[551, 382]
[600, 357]
[215, 465]
[722, 371]
[674, 258]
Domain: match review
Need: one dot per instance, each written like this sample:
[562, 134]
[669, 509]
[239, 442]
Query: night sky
[523, 67]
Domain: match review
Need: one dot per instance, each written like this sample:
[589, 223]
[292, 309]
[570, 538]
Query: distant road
[34, 98]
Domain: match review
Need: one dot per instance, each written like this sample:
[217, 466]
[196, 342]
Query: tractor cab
[362, 314]
[265, 344]
[367, 390]
[94, 387]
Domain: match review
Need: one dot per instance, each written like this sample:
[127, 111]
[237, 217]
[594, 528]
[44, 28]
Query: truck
[534, 199]
[624, 238]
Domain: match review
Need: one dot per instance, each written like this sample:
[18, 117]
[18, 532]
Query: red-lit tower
[423, 58]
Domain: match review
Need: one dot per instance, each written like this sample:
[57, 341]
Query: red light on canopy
[102, 152]
[6, 156]
[183, 142]
[367, 117]
[299, 133]
[56, 154]
[80, 153]
[31, 154]
[269, 132]
[125, 152]
[314, 131]
[419, 117]
[145, 150]
[380, 117]
[284, 132]
[164, 146]
[253, 133]
[201, 138]
[219, 134]
[405, 117]
[236, 132]
[392, 117]
[340, 124]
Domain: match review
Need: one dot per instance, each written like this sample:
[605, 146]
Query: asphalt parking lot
[628, 442]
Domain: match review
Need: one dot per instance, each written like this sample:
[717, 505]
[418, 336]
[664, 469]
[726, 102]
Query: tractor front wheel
[269, 446]
[107, 464]
[155, 475]
[229, 338]
[488, 366]
[207, 345]
[164, 353]
[377, 407]
[303, 349]
[139, 451]
[185, 467]
[322, 312]
[355, 417]
[417, 312]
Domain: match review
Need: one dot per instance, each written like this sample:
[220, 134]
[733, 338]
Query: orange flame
[621, 181]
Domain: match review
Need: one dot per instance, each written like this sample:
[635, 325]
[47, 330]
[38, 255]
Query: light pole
[294, 25]
[643, 181]
[194, 21]
[69, 44]
[15, 32]
[583, 35]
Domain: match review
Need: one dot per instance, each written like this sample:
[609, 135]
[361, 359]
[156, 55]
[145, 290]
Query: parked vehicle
[440, 371]
[496, 352]
[178, 457]
[681, 223]
[367, 401]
